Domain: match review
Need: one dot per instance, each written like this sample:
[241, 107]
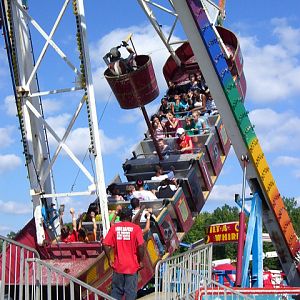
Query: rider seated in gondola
[116, 63]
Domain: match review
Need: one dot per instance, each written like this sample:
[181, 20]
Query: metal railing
[13, 260]
[210, 289]
[171, 279]
[44, 281]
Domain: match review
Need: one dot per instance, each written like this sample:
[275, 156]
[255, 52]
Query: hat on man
[180, 131]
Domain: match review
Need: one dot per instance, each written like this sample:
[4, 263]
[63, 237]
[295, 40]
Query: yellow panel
[152, 251]
[223, 157]
[271, 190]
[213, 179]
[91, 275]
[106, 265]
[205, 194]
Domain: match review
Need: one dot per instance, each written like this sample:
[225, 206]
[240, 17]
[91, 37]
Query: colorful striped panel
[240, 114]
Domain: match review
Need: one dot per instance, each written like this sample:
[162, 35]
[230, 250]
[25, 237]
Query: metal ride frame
[148, 6]
[29, 103]
[208, 49]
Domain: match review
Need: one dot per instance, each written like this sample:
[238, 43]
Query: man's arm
[141, 253]
[74, 225]
[118, 209]
[107, 251]
[94, 225]
[147, 226]
[105, 58]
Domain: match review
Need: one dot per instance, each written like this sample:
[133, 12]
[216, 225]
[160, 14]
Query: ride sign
[222, 233]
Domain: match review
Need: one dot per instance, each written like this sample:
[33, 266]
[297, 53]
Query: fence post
[3, 270]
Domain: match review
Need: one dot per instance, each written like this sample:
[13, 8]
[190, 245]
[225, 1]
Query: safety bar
[49, 282]
[13, 255]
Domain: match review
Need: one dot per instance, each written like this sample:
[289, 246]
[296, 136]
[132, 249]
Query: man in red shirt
[68, 236]
[127, 241]
[267, 278]
[184, 142]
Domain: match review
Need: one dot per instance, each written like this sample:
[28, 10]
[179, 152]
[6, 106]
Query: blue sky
[269, 33]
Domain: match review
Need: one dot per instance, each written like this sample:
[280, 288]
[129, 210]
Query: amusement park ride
[210, 48]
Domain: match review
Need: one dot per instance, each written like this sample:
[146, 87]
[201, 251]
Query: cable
[87, 151]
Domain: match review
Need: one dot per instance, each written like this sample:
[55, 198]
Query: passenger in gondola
[201, 123]
[141, 193]
[202, 84]
[190, 126]
[167, 188]
[165, 150]
[159, 174]
[190, 102]
[176, 107]
[172, 124]
[184, 105]
[144, 221]
[184, 142]
[130, 188]
[200, 100]
[116, 63]
[211, 106]
[158, 127]
[164, 107]
[67, 235]
[193, 83]
[114, 193]
[172, 90]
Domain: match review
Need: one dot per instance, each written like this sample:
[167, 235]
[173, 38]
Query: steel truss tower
[17, 26]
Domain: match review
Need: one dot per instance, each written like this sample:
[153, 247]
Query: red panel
[176, 73]
[195, 190]
[223, 137]
[145, 274]
[184, 215]
[241, 85]
[214, 155]
[136, 88]
[205, 174]
[168, 232]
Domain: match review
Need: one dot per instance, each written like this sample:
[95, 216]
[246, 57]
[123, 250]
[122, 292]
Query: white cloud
[145, 40]
[51, 106]
[280, 130]
[10, 105]
[9, 162]
[4, 229]
[287, 161]
[79, 139]
[272, 70]
[289, 36]
[58, 124]
[6, 136]
[15, 208]
[225, 193]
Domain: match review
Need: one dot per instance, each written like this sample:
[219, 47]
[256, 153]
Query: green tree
[11, 235]
[220, 215]
[294, 212]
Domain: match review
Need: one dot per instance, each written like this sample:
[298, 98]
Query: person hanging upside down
[116, 63]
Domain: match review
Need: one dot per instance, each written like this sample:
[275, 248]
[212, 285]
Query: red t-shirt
[267, 279]
[72, 237]
[184, 143]
[125, 237]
